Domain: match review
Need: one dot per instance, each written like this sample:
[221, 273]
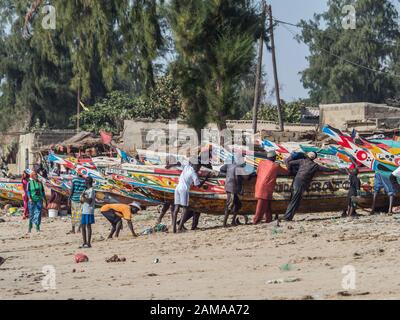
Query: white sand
[212, 263]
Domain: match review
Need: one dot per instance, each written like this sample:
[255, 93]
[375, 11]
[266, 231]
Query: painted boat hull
[11, 190]
[327, 192]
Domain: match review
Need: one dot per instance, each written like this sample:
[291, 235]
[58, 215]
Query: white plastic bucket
[53, 213]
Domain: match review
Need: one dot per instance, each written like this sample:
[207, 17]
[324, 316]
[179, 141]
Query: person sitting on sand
[187, 179]
[114, 213]
[267, 174]
[88, 199]
[306, 172]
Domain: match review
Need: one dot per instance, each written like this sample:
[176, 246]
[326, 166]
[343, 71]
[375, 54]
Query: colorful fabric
[384, 182]
[87, 219]
[76, 213]
[90, 203]
[78, 186]
[267, 173]
[36, 191]
[122, 210]
[25, 198]
[35, 212]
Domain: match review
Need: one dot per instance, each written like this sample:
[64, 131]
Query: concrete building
[361, 116]
[30, 143]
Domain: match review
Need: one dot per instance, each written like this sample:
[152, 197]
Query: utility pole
[277, 93]
[78, 107]
[257, 92]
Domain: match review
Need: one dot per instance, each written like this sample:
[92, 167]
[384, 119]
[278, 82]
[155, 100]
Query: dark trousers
[298, 191]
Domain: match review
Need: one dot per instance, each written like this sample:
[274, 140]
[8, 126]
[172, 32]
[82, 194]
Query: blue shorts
[87, 219]
[384, 182]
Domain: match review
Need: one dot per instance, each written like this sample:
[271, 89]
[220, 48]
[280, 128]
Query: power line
[285, 24]
[392, 44]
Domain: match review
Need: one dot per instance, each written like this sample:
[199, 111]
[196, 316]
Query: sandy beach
[300, 260]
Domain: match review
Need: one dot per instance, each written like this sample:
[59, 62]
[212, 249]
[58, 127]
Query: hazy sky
[291, 55]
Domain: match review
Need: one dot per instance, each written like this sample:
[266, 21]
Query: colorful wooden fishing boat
[104, 185]
[327, 192]
[11, 190]
[370, 155]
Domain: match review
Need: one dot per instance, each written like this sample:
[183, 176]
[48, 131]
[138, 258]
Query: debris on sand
[276, 231]
[287, 280]
[81, 258]
[152, 274]
[349, 294]
[2, 260]
[2, 220]
[160, 228]
[115, 258]
[286, 267]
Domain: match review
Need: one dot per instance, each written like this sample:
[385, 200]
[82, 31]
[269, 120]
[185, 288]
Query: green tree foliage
[31, 84]
[329, 78]
[164, 102]
[292, 111]
[214, 41]
[98, 45]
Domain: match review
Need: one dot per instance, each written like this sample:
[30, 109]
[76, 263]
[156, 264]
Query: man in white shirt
[187, 179]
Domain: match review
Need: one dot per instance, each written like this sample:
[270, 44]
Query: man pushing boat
[234, 173]
[187, 179]
[307, 169]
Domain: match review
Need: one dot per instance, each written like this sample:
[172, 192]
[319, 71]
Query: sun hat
[136, 205]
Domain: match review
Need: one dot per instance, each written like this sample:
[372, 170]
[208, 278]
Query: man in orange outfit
[267, 174]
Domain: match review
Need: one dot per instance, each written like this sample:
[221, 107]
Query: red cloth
[26, 198]
[80, 257]
[263, 209]
[267, 174]
[105, 137]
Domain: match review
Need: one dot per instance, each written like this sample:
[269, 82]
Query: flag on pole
[83, 106]
[105, 137]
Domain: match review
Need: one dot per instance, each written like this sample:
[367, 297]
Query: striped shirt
[78, 187]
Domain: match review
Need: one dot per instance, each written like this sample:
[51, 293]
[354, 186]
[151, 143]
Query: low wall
[343, 116]
[140, 134]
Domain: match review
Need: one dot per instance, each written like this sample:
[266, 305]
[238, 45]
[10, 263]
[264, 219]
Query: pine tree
[214, 41]
[338, 56]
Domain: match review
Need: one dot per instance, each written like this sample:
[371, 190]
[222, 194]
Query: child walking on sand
[88, 199]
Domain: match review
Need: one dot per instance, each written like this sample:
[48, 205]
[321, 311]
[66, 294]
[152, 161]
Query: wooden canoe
[11, 190]
[327, 192]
